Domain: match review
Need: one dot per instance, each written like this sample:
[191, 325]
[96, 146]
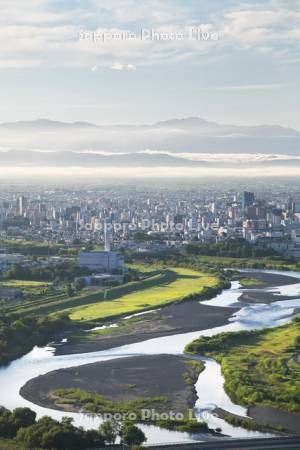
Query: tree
[69, 290]
[23, 417]
[7, 428]
[110, 429]
[80, 283]
[29, 437]
[132, 435]
[59, 438]
[94, 439]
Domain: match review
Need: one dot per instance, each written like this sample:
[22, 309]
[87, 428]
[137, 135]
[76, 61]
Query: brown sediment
[121, 379]
[170, 320]
[290, 422]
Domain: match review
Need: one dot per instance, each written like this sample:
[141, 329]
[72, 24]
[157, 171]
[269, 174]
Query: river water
[209, 386]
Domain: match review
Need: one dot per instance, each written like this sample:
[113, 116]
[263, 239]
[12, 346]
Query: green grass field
[24, 284]
[170, 286]
[158, 286]
[28, 287]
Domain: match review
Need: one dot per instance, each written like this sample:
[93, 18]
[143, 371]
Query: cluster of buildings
[147, 220]
[8, 260]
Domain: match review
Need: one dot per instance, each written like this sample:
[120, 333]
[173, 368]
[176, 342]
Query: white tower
[107, 240]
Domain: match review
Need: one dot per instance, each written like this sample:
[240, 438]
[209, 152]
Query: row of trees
[47, 433]
[233, 248]
[64, 272]
[126, 431]
[30, 248]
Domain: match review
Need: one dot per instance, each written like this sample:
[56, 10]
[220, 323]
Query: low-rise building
[102, 261]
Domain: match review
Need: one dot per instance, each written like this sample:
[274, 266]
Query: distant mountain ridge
[45, 123]
[188, 122]
[190, 134]
[64, 159]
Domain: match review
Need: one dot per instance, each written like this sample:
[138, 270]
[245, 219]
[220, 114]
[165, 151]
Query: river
[209, 386]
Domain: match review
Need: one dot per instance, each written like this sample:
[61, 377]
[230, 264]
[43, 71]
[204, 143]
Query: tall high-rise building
[21, 205]
[107, 237]
[247, 199]
[107, 240]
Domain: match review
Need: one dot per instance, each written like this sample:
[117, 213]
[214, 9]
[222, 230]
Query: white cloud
[38, 34]
[269, 28]
[131, 67]
[119, 66]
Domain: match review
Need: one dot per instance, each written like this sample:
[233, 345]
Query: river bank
[261, 369]
[276, 417]
[175, 319]
[209, 385]
[123, 380]
[268, 279]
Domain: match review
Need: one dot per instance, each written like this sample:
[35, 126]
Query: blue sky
[249, 75]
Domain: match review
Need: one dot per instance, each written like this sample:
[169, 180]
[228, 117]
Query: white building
[102, 261]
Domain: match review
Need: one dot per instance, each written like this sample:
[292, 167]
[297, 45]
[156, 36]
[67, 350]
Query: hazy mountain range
[189, 142]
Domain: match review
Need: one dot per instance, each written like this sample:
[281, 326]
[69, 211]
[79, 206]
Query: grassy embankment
[157, 287]
[165, 286]
[170, 285]
[260, 367]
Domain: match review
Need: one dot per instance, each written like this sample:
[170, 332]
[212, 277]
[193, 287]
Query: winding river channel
[209, 386]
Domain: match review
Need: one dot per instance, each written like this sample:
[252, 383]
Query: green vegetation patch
[194, 368]
[250, 282]
[10, 444]
[34, 248]
[58, 302]
[19, 336]
[260, 367]
[27, 286]
[221, 262]
[171, 285]
[24, 283]
[96, 403]
[250, 424]
[184, 425]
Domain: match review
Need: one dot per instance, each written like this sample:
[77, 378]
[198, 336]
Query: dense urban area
[153, 220]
